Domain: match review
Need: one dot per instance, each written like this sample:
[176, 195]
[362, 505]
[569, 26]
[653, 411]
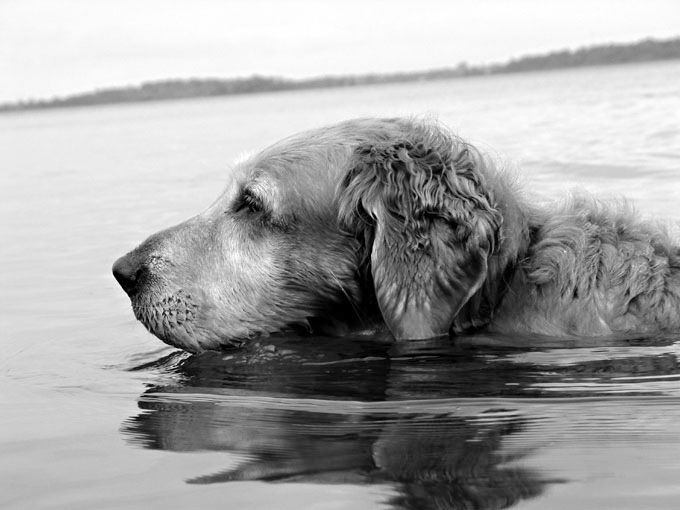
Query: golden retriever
[397, 226]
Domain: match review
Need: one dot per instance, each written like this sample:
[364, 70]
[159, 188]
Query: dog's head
[367, 222]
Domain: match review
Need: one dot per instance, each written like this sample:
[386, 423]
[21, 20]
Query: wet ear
[428, 225]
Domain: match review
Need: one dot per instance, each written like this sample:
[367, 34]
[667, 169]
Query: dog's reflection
[347, 418]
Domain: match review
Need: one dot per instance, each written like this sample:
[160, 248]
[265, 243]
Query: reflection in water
[433, 422]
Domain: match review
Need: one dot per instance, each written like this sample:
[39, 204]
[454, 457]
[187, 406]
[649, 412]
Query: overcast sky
[59, 47]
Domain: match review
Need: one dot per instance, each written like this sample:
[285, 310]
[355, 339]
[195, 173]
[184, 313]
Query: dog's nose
[125, 272]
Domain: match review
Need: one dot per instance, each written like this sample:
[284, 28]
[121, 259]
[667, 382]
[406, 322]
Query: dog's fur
[397, 224]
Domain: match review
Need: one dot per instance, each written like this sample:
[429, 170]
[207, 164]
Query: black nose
[125, 270]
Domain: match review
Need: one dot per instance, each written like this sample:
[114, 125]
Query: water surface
[96, 413]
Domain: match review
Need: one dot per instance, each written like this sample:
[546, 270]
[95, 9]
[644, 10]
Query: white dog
[396, 224]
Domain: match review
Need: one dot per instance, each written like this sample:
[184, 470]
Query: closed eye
[248, 201]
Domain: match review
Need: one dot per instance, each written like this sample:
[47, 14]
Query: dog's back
[594, 268]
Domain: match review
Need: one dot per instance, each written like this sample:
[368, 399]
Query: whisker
[356, 311]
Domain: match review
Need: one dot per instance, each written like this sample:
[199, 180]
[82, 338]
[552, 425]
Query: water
[96, 413]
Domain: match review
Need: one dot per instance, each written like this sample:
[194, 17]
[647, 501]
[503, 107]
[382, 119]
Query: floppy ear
[428, 226]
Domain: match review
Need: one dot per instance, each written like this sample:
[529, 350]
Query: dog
[398, 227]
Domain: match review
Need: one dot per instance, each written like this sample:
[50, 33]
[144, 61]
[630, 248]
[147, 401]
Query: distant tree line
[608, 54]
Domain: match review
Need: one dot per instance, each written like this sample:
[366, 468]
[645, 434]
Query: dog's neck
[515, 239]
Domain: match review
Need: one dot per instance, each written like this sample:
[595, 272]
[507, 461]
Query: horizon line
[462, 67]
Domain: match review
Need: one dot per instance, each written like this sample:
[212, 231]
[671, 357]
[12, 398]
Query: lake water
[96, 413]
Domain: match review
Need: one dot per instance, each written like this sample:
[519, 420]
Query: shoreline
[648, 50]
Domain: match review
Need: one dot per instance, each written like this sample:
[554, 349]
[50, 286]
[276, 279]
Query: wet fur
[397, 225]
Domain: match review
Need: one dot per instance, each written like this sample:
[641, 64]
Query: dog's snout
[125, 271]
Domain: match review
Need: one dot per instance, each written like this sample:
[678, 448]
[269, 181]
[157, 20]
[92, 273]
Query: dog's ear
[420, 208]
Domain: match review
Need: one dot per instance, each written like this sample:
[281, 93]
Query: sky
[54, 48]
